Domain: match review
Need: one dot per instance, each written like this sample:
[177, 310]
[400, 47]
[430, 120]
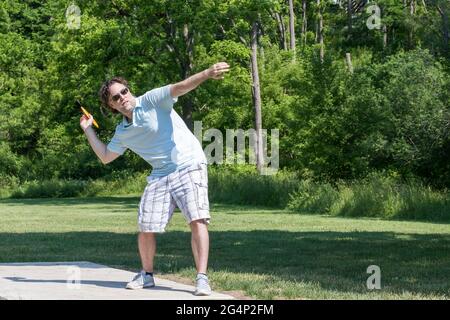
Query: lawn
[258, 252]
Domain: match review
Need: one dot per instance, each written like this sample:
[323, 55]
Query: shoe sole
[140, 287]
[202, 293]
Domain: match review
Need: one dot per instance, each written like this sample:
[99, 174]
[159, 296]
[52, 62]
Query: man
[152, 129]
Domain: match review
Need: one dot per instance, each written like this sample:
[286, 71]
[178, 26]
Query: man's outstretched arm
[99, 147]
[216, 71]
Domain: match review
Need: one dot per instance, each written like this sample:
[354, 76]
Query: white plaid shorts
[186, 188]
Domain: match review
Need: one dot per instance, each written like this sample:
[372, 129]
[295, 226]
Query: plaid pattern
[186, 188]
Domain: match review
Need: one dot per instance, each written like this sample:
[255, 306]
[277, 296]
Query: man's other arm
[216, 71]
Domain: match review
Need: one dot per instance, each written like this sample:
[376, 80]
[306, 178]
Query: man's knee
[146, 235]
[198, 225]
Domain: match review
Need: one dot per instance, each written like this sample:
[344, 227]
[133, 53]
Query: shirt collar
[125, 122]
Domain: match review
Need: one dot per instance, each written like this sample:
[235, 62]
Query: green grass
[262, 252]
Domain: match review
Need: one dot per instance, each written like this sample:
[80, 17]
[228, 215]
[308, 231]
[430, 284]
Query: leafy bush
[313, 197]
[243, 185]
[379, 195]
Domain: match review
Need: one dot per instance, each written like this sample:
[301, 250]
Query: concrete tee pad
[85, 281]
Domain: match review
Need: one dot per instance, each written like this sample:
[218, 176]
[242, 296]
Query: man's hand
[216, 71]
[86, 122]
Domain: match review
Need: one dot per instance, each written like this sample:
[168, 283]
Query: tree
[443, 8]
[256, 94]
[319, 28]
[304, 20]
[277, 16]
[246, 16]
[292, 27]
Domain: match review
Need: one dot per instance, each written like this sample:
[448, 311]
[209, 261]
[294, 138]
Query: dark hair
[104, 91]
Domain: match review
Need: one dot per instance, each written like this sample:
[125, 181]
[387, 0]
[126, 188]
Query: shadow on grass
[127, 201]
[335, 261]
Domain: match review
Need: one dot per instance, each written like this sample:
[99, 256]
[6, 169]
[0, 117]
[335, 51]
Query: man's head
[115, 95]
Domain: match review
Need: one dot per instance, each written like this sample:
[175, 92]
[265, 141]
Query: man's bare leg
[200, 244]
[147, 250]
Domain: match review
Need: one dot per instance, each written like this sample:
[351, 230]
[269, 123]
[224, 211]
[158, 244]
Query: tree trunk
[319, 31]
[412, 7]
[412, 11]
[304, 21]
[445, 27]
[292, 26]
[316, 39]
[281, 30]
[186, 70]
[187, 109]
[385, 36]
[260, 47]
[424, 6]
[256, 94]
[349, 18]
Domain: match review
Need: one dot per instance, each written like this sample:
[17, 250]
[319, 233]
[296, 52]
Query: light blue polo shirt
[158, 134]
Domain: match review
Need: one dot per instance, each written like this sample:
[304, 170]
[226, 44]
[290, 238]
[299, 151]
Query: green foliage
[378, 196]
[414, 87]
[386, 115]
[311, 197]
[392, 113]
[243, 185]
[117, 183]
[50, 189]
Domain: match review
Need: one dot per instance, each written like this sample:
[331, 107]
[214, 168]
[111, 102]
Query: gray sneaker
[202, 287]
[141, 280]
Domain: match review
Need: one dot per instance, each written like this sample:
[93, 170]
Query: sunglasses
[116, 97]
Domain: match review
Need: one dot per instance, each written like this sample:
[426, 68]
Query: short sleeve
[116, 146]
[159, 98]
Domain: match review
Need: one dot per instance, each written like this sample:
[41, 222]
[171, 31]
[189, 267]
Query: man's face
[120, 98]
